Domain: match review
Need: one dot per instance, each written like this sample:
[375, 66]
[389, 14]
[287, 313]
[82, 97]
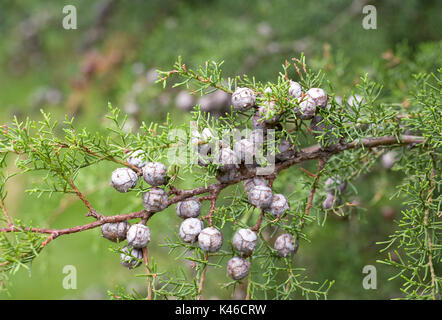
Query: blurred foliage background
[112, 57]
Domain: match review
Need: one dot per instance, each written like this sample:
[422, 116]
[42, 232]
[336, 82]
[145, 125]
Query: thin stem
[249, 281]
[212, 199]
[307, 172]
[81, 196]
[257, 225]
[118, 161]
[203, 275]
[321, 164]
[146, 266]
[430, 243]
[5, 212]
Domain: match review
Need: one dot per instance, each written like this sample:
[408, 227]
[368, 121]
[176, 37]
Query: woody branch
[309, 153]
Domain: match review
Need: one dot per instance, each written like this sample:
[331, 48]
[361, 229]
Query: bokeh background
[112, 57]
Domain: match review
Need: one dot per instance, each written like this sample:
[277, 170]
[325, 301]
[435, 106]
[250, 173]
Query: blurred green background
[112, 57]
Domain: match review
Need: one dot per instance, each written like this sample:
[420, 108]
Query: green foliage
[19, 249]
[398, 63]
[416, 242]
[37, 147]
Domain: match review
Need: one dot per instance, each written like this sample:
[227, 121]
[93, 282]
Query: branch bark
[309, 153]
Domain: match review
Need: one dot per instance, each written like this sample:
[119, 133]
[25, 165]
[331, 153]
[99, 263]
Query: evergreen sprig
[358, 134]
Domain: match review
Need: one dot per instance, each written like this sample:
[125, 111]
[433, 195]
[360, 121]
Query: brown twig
[51, 237]
[313, 152]
[80, 195]
[67, 202]
[258, 222]
[173, 191]
[212, 198]
[197, 77]
[205, 198]
[307, 172]
[321, 164]
[5, 212]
